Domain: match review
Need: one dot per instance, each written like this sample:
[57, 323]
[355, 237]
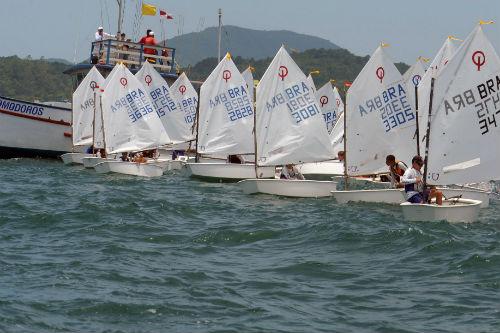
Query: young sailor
[290, 172]
[412, 180]
[396, 170]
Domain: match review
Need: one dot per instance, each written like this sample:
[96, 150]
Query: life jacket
[397, 171]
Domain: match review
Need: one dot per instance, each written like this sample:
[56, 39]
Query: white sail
[226, 112]
[83, 107]
[130, 120]
[248, 77]
[412, 78]
[380, 119]
[166, 106]
[187, 98]
[290, 126]
[465, 126]
[337, 135]
[444, 55]
[310, 82]
[330, 103]
[99, 129]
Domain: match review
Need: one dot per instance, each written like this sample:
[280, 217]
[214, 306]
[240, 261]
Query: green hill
[30, 79]
[258, 44]
[44, 80]
[338, 64]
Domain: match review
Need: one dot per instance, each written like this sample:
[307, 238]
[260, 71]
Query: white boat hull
[321, 170]
[388, 196]
[91, 161]
[129, 168]
[482, 196]
[454, 210]
[227, 171]
[288, 188]
[31, 129]
[74, 158]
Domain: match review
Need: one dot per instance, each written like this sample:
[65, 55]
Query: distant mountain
[248, 43]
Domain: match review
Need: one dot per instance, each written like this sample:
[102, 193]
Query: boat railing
[133, 55]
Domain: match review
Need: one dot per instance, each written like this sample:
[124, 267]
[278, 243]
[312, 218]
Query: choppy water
[90, 253]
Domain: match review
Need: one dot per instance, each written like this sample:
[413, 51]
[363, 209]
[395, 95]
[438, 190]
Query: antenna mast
[220, 32]
[120, 14]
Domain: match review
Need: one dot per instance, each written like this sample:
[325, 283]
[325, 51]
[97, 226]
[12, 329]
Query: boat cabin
[107, 53]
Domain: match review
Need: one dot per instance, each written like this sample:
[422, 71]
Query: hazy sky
[65, 28]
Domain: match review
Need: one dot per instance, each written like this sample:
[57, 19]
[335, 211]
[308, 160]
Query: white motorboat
[130, 168]
[288, 188]
[453, 210]
[31, 129]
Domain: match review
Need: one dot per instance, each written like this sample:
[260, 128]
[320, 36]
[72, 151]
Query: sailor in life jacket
[290, 172]
[396, 170]
[413, 183]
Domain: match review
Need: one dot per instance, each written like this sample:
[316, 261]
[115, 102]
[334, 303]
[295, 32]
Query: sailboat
[289, 130]
[130, 124]
[225, 126]
[89, 162]
[332, 107]
[84, 110]
[187, 101]
[462, 100]
[379, 121]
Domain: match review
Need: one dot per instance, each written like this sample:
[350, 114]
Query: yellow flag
[148, 9]
[314, 72]
[384, 44]
[455, 38]
[228, 55]
[481, 22]
[423, 59]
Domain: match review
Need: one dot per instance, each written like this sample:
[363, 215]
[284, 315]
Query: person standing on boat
[413, 183]
[100, 35]
[396, 170]
[290, 172]
[143, 38]
[150, 40]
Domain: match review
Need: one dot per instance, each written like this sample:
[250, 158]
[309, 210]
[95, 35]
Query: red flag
[347, 84]
[166, 15]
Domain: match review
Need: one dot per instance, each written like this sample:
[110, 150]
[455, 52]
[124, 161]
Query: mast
[93, 123]
[220, 33]
[417, 130]
[345, 140]
[197, 119]
[427, 135]
[102, 122]
[255, 136]
[121, 6]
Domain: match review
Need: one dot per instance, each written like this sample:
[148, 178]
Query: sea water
[83, 252]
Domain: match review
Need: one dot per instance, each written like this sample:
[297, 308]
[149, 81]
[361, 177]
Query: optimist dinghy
[83, 114]
[225, 127]
[452, 157]
[130, 124]
[289, 130]
[371, 136]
